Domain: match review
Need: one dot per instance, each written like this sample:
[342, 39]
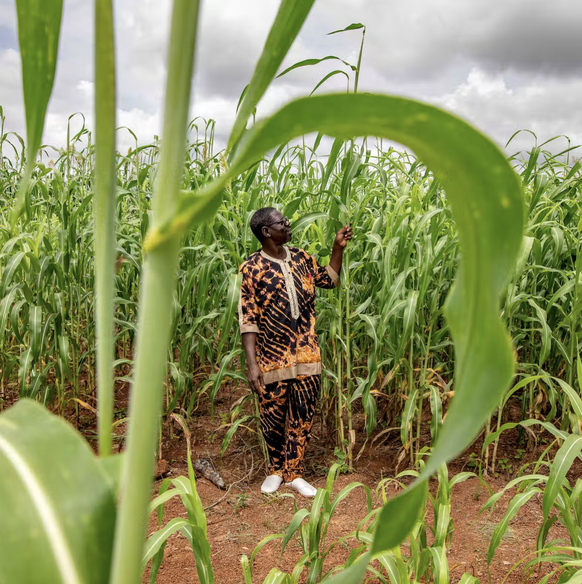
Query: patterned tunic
[277, 301]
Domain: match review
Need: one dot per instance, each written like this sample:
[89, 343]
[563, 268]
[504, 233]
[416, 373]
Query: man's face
[279, 228]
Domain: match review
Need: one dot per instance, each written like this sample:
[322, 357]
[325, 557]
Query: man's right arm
[249, 321]
[254, 374]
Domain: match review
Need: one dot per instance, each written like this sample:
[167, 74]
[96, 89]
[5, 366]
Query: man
[277, 321]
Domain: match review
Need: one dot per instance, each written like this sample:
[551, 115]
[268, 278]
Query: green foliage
[421, 560]
[58, 503]
[560, 496]
[193, 528]
[190, 208]
[39, 27]
[310, 527]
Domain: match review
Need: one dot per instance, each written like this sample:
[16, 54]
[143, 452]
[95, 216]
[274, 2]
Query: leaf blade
[43, 496]
[288, 23]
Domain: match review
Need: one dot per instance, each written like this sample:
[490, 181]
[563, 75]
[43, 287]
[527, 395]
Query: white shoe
[271, 484]
[303, 487]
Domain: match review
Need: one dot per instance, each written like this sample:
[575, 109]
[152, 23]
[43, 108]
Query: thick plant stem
[155, 316]
[145, 410]
[340, 385]
[104, 209]
[410, 387]
[349, 365]
[422, 387]
[574, 324]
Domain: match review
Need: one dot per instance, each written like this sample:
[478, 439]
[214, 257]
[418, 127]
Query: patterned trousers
[294, 400]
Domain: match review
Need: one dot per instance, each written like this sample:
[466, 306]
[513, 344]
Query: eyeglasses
[285, 221]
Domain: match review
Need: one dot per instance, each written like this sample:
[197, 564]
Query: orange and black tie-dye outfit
[277, 302]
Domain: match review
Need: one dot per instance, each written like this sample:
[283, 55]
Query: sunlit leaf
[58, 506]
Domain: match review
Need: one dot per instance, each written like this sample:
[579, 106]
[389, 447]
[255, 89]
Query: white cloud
[548, 107]
[504, 65]
[10, 87]
[416, 39]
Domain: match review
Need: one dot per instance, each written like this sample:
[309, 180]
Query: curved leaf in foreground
[58, 507]
[485, 197]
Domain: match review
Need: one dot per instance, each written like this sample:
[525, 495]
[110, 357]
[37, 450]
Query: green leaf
[398, 517]
[514, 506]
[9, 271]
[407, 417]
[229, 310]
[157, 563]
[575, 579]
[288, 23]
[307, 220]
[264, 542]
[275, 576]
[231, 432]
[331, 160]
[246, 568]
[310, 62]
[468, 579]
[354, 574]
[395, 568]
[35, 330]
[346, 491]
[5, 306]
[561, 465]
[57, 508]
[39, 26]
[165, 496]
[436, 410]
[201, 549]
[294, 526]
[531, 480]
[155, 542]
[440, 564]
[546, 332]
[25, 364]
[575, 400]
[353, 26]
[64, 355]
[442, 523]
[526, 424]
[317, 520]
[329, 76]
[485, 197]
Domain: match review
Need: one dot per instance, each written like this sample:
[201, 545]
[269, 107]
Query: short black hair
[260, 219]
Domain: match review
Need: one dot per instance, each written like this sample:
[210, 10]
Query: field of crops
[387, 348]
[457, 320]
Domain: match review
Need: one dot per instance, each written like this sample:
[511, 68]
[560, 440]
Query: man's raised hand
[343, 236]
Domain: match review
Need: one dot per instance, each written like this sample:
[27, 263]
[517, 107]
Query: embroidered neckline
[289, 282]
[285, 259]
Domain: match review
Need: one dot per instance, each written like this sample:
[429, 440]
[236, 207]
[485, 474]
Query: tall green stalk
[358, 66]
[155, 318]
[350, 384]
[104, 208]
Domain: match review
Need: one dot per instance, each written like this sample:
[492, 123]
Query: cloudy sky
[504, 65]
